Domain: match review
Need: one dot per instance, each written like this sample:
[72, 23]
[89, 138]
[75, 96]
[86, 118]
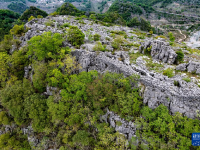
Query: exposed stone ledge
[193, 67]
[160, 50]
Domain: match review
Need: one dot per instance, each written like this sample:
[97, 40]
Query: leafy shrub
[13, 141]
[31, 18]
[65, 25]
[118, 41]
[133, 22]
[40, 16]
[75, 36]
[93, 17]
[147, 51]
[96, 37]
[180, 56]
[17, 30]
[81, 138]
[13, 99]
[171, 37]
[98, 47]
[4, 118]
[39, 77]
[46, 46]
[168, 72]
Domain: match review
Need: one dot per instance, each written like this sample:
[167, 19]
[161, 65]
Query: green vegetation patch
[7, 19]
[168, 72]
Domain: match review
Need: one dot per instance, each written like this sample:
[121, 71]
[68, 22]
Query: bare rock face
[193, 67]
[120, 125]
[33, 141]
[182, 67]
[50, 90]
[27, 71]
[160, 50]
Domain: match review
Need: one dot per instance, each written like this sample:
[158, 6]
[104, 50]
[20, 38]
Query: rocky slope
[157, 88]
[138, 53]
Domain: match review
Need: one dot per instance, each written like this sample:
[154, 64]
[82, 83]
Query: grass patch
[168, 72]
[153, 66]
[134, 56]
[187, 79]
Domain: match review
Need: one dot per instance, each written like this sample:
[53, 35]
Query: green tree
[145, 25]
[98, 47]
[171, 37]
[93, 17]
[133, 22]
[75, 36]
[46, 47]
[13, 98]
[13, 141]
[17, 30]
[4, 119]
[39, 77]
[6, 44]
[97, 37]
[37, 110]
[4, 68]
[18, 61]
[180, 56]
[81, 138]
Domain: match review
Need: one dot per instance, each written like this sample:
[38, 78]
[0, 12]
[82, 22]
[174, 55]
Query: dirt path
[180, 40]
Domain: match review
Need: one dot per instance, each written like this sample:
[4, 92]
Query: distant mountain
[51, 5]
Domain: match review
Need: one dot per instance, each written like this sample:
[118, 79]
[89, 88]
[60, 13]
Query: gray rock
[190, 67]
[50, 90]
[182, 67]
[27, 70]
[126, 128]
[159, 50]
[88, 47]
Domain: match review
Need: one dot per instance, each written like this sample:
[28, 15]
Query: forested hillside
[78, 80]
[7, 19]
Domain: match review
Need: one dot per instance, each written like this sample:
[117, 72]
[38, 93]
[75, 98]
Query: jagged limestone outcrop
[160, 50]
[120, 125]
[193, 67]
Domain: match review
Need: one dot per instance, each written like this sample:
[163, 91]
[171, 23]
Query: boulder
[182, 67]
[160, 50]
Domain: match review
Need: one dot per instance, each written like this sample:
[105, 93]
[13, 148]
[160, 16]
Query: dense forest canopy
[7, 19]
